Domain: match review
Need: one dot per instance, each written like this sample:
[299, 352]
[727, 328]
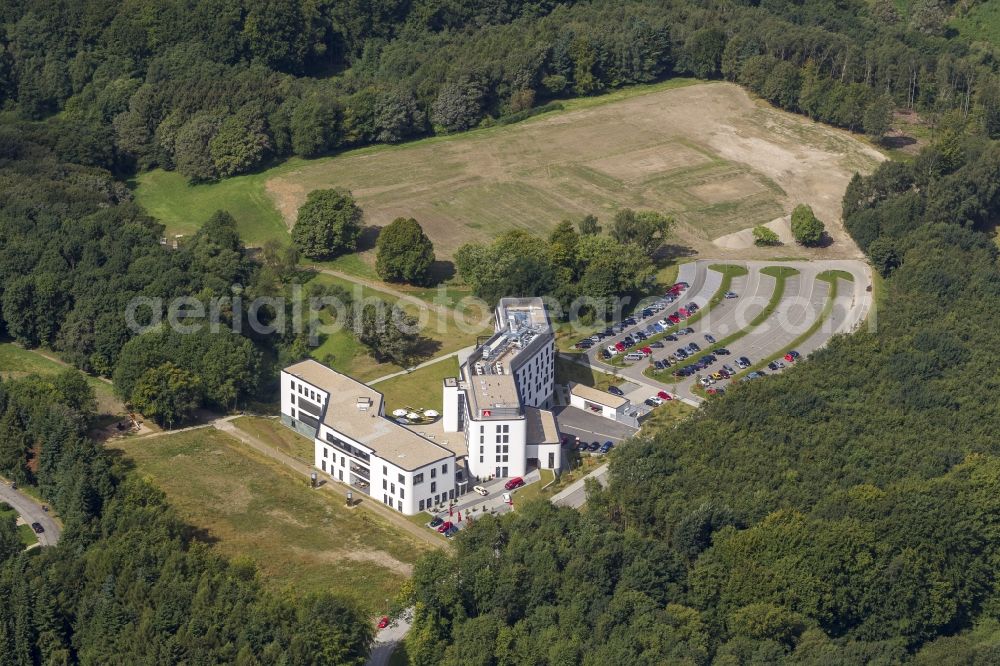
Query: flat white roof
[355, 409]
[599, 397]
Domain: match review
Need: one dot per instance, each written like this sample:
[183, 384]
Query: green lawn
[666, 416]
[341, 350]
[421, 388]
[249, 505]
[272, 432]
[24, 532]
[16, 361]
[569, 371]
[183, 207]
[534, 491]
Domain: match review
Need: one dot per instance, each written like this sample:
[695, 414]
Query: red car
[620, 346]
[445, 526]
[648, 351]
[384, 622]
[789, 358]
[516, 482]
[674, 318]
[663, 395]
[684, 313]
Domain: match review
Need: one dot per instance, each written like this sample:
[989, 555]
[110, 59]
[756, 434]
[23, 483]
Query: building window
[392, 488]
[326, 452]
[480, 459]
[482, 429]
[293, 412]
[402, 479]
[434, 486]
[506, 438]
[506, 428]
[504, 448]
[399, 506]
[421, 505]
[418, 478]
[482, 449]
[402, 492]
[292, 399]
[444, 468]
[434, 472]
[293, 386]
[340, 474]
[324, 465]
[385, 485]
[451, 494]
[385, 470]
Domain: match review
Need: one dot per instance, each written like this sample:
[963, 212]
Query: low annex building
[599, 402]
[502, 397]
[356, 444]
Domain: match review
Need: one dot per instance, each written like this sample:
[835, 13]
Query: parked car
[657, 400]
[594, 446]
[659, 365]
[614, 390]
[436, 520]
[772, 366]
[37, 527]
[743, 362]
[605, 354]
[656, 345]
[794, 354]
[693, 346]
[709, 338]
[507, 499]
[649, 402]
[445, 526]
[663, 395]
[732, 294]
[634, 356]
[516, 482]
[688, 330]
[707, 381]
[683, 312]
[482, 491]
[451, 531]
[648, 351]
[383, 622]
[722, 351]
[606, 446]
[729, 369]
[670, 338]
[619, 346]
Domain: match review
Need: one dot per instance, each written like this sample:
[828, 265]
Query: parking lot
[800, 306]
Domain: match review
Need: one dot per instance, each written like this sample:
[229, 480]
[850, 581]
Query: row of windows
[437, 499]
[304, 390]
[347, 448]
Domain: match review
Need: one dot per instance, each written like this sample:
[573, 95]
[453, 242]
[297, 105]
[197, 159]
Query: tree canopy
[806, 227]
[328, 224]
[404, 253]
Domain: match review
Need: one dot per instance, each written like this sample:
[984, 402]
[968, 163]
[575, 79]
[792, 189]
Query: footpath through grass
[248, 505]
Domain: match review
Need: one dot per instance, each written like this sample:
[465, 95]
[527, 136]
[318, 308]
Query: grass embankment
[535, 490]
[286, 440]
[248, 505]
[421, 388]
[728, 273]
[780, 274]
[831, 277]
[568, 371]
[24, 532]
[16, 361]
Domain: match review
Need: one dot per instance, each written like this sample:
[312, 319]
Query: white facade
[354, 444]
[511, 372]
[598, 402]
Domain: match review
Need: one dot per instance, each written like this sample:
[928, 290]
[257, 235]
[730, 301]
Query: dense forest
[213, 88]
[129, 583]
[843, 513]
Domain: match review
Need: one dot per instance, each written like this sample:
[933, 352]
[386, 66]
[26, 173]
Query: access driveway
[31, 512]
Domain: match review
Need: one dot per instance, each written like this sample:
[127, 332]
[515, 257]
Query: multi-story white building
[501, 398]
[357, 445]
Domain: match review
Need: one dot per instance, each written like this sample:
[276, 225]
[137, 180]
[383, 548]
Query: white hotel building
[497, 410]
[502, 397]
[357, 445]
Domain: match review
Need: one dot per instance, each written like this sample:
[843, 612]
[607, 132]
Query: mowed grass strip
[781, 274]
[831, 298]
[248, 505]
[272, 432]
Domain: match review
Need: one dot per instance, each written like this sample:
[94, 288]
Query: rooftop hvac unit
[499, 368]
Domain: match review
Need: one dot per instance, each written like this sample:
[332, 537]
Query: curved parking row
[789, 315]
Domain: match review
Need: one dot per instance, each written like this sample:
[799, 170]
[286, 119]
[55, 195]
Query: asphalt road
[31, 512]
[575, 495]
[387, 639]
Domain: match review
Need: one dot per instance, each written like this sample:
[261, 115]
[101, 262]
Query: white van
[634, 356]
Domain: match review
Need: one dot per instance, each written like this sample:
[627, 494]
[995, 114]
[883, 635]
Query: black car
[709, 338]
[694, 347]
[640, 335]
[614, 390]
[659, 365]
[722, 351]
[656, 345]
[608, 331]
[37, 527]
[594, 446]
[605, 354]
[647, 313]
[437, 520]
[650, 403]
[772, 366]
[671, 337]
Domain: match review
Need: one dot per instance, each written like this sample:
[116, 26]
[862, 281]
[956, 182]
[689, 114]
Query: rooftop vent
[364, 403]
